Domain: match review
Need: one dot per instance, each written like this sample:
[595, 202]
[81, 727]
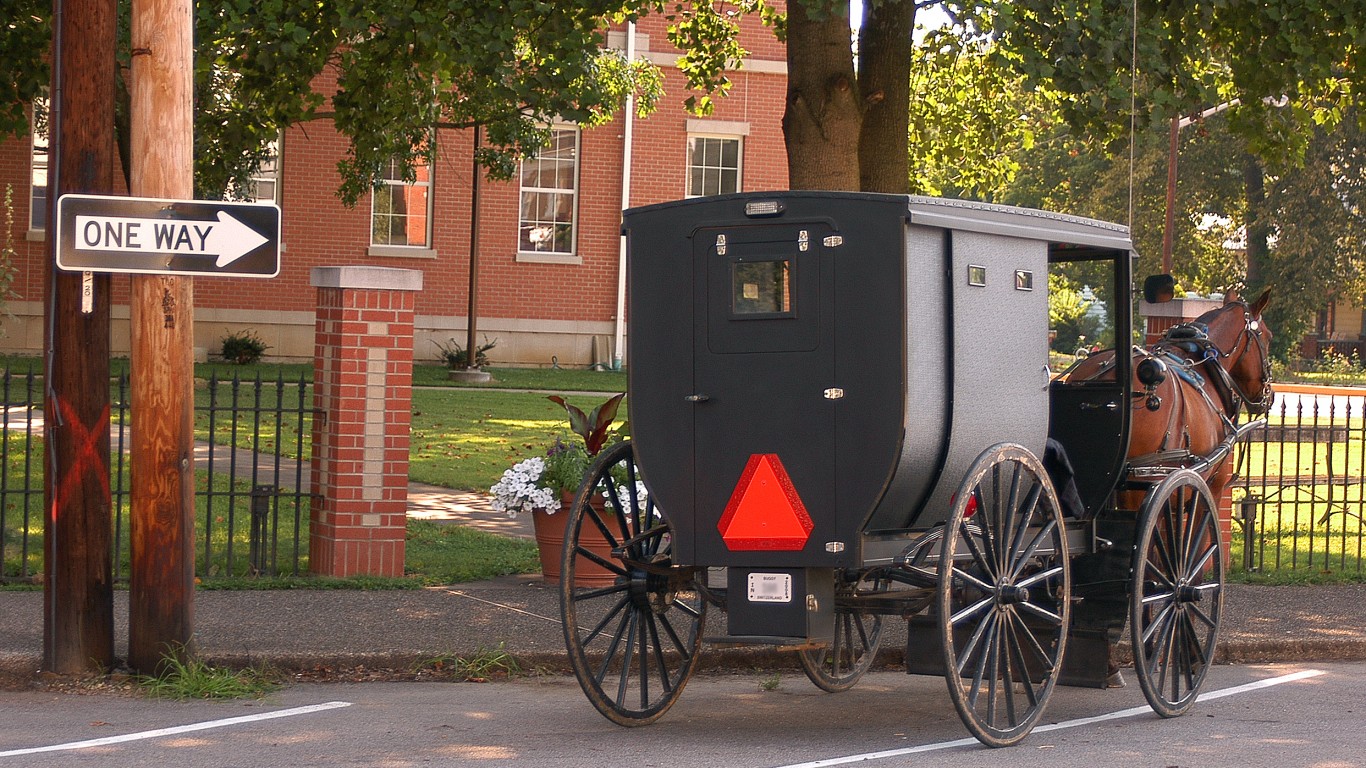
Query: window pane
[37, 218]
[761, 287]
[713, 165]
[548, 196]
[400, 213]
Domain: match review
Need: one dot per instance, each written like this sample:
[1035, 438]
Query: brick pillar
[362, 379]
[1224, 503]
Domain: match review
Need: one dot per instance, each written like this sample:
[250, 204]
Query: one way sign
[164, 237]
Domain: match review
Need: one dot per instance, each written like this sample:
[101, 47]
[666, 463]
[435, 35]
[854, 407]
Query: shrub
[244, 348]
[453, 355]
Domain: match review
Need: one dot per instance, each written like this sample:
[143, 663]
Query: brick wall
[535, 309]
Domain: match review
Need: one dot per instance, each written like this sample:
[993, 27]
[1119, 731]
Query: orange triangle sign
[765, 512]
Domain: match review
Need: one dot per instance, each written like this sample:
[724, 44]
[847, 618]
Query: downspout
[619, 341]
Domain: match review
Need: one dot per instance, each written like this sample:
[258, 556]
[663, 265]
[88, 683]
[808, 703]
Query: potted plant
[545, 486]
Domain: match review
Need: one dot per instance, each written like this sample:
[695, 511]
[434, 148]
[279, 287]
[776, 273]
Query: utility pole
[161, 588]
[78, 596]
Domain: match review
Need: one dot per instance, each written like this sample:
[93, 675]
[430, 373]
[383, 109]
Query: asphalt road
[890, 719]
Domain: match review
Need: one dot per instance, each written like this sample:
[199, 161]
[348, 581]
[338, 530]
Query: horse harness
[1186, 349]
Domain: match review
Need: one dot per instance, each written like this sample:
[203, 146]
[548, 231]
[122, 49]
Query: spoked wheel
[1004, 589]
[633, 644]
[858, 633]
[1178, 596]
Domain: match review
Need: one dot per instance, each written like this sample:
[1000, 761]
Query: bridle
[1252, 337]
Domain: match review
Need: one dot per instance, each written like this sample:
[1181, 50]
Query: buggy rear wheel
[858, 634]
[1178, 596]
[632, 644]
[1004, 593]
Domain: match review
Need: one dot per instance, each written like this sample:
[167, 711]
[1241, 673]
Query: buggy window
[761, 287]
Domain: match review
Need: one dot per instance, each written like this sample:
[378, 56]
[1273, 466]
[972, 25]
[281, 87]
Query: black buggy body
[842, 412]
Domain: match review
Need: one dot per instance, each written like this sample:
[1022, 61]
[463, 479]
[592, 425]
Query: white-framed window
[713, 164]
[37, 211]
[265, 182]
[401, 212]
[549, 197]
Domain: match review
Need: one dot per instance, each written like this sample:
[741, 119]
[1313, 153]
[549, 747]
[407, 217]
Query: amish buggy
[842, 414]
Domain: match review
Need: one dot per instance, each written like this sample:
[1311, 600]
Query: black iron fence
[252, 500]
[1299, 501]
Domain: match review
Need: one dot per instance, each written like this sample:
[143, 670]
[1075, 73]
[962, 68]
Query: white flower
[517, 490]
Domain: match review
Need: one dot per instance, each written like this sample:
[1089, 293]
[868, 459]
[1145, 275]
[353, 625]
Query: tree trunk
[885, 87]
[1257, 226]
[824, 112]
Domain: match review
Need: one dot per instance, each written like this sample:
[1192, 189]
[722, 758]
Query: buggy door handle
[698, 398]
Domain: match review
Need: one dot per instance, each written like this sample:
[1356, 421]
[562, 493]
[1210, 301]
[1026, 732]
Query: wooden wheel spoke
[611, 653]
[973, 643]
[1043, 575]
[983, 659]
[1197, 647]
[1033, 643]
[973, 581]
[1160, 657]
[597, 630]
[593, 594]
[974, 550]
[1028, 511]
[592, 515]
[972, 610]
[1165, 598]
[1041, 612]
[1159, 622]
[629, 656]
[660, 661]
[614, 566]
[1013, 632]
[1202, 561]
[1045, 532]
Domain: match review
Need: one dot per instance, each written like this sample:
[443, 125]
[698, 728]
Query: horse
[1191, 386]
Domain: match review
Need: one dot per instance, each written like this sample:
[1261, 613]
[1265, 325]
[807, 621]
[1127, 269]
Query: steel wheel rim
[1003, 609]
[1177, 604]
[633, 644]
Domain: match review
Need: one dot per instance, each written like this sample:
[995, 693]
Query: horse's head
[1244, 344]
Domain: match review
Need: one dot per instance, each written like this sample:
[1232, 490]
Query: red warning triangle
[765, 512]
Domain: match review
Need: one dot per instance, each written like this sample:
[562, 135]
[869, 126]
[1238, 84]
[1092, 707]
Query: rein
[1192, 338]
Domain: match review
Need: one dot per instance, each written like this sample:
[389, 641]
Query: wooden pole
[78, 608]
[161, 596]
[1169, 225]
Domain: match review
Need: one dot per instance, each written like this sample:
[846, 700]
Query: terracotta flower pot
[550, 541]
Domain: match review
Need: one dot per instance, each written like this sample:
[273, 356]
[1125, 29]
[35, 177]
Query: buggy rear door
[764, 438]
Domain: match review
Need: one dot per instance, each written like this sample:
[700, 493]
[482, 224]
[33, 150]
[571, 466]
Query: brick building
[549, 242]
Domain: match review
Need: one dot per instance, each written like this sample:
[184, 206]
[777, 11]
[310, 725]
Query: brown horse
[1190, 387]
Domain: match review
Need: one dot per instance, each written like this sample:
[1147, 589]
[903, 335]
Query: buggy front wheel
[1177, 599]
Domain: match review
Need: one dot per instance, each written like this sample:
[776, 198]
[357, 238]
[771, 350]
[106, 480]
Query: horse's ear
[1260, 303]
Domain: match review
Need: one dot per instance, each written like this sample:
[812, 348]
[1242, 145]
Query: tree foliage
[402, 68]
[25, 32]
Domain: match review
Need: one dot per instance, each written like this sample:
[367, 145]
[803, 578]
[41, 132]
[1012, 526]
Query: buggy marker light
[760, 208]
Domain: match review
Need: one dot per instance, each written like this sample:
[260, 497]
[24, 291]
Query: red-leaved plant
[592, 427]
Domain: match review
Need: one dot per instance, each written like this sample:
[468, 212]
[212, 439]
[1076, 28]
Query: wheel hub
[1009, 594]
[1186, 593]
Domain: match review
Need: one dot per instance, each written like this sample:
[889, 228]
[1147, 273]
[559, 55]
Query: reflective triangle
[765, 512]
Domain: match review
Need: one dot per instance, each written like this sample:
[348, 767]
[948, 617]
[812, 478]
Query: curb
[19, 670]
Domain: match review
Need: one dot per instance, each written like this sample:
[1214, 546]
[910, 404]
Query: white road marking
[179, 729]
[1123, 713]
